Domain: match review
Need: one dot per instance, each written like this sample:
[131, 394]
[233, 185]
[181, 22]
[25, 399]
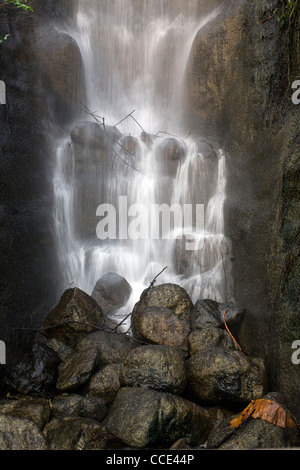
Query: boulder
[253, 434]
[78, 406]
[144, 418]
[160, 325]
[20, 434]
[202, 339]
[169, 154]
[221, 376]
[33, 409]
[130, 146]
[96, 350]
[75, 434]
[205, 148]
[170, 296]
[105, 383]
[211, 312]
[59, 62]
[160, 368]
[89, 135]
[35, 373]
[112, 292]
[76, 315]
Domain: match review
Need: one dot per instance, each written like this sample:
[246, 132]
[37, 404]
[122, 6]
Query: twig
[128, 115]
[143, 294]
[69, 322]
[226, 326]
[152, 283]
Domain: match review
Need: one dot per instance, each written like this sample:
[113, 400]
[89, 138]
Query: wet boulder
[111, 292]
[202, 339]
[20, 434]
[205, 148]
[160, 325]
[129, 146]
[33, 409]
[210, 312]
[35, 373]
[89, 135]
[75, 434]
[93, 352]
[160, 368]
[76, 315]
[263, 424]
[169, 154]
[76, 406]
[142, 418]
[105, 383]
[170, 296]
[222, 376]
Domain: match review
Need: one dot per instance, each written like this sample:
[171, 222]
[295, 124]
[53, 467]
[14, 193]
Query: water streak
[135, 54]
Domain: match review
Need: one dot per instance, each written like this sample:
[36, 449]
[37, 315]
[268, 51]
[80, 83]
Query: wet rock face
[221, 376]
[36, 371]
[111, 292]
[160, 368]
[169, 154]
[143, 418]
[70, 320]
[170, 296]
[159, 325]
[239, 62]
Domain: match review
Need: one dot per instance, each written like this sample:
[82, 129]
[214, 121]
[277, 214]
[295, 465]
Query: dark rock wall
[42, 73]
[239, 89]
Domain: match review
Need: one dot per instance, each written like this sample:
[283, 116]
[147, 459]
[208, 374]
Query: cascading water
[135, 54]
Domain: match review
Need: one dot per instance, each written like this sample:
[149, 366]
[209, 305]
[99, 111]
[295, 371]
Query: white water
[135, 53]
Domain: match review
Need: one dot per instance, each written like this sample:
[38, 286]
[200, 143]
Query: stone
[211, 312]
[112, 292]
[60, 60]
[77, 367]
[221, 376]
[89, 135]
[76, 315]
[170, 296]
[254, 434]
[144, 418]
[33, 409]
[130, 147]
[94, 351]
[169, 154]
[75, 434]
[78, 406]
[20, 434]
[205, 148]
[205, 338]
[35, 373]
[105, 383]
[160, 368]
[160, 325]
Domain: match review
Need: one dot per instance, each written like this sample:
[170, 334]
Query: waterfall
[135, 53]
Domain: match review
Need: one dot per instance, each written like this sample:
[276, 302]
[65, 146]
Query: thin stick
[128, 115]
[226, 326]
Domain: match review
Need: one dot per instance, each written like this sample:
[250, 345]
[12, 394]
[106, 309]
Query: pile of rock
[175, 383]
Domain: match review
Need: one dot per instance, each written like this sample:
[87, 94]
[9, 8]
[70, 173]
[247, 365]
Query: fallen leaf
[266, 410]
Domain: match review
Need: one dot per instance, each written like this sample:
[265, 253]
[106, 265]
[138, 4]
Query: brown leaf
[266, 410]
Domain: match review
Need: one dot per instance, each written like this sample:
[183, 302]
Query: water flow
[135, 53]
